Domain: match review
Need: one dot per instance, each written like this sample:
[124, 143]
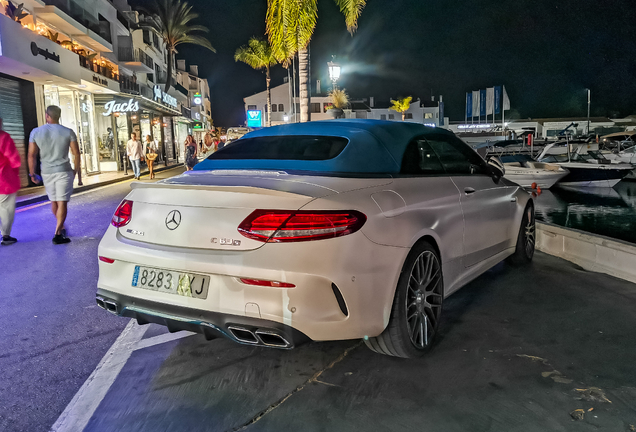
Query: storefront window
[144, 125]
[123, 134]
[86, 131]
[158, 137]
[77, 114]
[105, 137]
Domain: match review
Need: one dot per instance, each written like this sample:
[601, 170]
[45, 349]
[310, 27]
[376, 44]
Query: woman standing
[151, 155]
[190, 153]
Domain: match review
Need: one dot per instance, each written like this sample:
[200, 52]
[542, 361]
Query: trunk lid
[202, 210]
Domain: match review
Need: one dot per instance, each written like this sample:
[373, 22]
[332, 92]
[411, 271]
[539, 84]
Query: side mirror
[497, 168]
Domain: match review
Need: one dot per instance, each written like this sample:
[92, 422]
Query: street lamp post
[589, 99]
[334, 73]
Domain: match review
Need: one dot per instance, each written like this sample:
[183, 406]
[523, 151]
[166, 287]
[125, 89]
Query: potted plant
[16, 13]
[339, 101]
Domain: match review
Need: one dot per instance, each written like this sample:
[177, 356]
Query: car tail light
[260, 282]
[123, 214]
[106, 260]
[273, 226]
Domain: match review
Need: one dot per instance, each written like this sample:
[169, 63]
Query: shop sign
[475, 126]
[36, 50]
[113, 107]
[254, 118]
[197, 99]
[30, 52]
[197, 126]
[164, 97]
[101, 81]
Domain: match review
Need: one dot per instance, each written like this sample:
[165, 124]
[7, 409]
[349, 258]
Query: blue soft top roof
[375, 146]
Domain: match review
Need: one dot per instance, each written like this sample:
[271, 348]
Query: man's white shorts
[59, 186]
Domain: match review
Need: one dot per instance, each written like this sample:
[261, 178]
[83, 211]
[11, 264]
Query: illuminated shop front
[117, 117]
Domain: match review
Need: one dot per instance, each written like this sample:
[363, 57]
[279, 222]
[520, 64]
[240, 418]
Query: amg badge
[226, 241]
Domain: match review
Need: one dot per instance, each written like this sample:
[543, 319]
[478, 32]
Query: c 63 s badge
[226, 241]
[135, 232]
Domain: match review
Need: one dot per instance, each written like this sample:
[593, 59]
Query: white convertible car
[319, 231]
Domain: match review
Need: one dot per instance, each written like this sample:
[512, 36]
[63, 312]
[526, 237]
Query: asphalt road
[52, 334]
[521, 349]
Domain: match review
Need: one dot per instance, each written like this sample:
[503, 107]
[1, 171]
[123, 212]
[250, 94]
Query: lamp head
[334, 71]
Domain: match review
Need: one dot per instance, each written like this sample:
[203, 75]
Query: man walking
[9, 185]
[135, 150]
[53, 141]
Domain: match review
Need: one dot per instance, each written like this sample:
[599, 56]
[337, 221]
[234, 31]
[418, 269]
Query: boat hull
[594, 175]
[542, 180]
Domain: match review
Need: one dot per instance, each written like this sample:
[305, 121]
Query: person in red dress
[9, 184]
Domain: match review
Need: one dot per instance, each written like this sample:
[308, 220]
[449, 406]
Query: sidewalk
[32, 195]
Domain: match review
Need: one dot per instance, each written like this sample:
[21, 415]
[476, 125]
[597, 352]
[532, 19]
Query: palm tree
[170, 19]
[290, 26]
[401, 105]
[259, 55]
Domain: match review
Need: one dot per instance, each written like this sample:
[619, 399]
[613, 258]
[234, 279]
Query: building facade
[107, 74]
[285, 111]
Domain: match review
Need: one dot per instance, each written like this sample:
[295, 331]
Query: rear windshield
[292, 147]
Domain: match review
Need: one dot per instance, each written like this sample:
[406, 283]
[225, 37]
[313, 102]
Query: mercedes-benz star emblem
[173, 220]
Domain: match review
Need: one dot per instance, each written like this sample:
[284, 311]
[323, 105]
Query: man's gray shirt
[54, 141]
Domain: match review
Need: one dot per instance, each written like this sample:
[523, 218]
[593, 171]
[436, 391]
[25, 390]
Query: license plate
[171, 282]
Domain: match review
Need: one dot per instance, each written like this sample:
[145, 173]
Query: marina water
[609, 212]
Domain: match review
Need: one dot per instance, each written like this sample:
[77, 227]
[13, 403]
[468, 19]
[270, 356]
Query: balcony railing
[97, 68]
[129, 54]
[147, 92]
[122, 19]
[127, 85]
[161, 77]
[83, 17]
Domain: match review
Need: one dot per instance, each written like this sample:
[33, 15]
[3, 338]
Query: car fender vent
[340, 299]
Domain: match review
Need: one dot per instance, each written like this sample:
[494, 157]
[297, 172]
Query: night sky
[545, 52]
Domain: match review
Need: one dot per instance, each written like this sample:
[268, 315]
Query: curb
[44, 197]
[592, 252]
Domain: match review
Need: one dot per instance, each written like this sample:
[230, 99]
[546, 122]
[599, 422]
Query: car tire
[417, 306]
[524, 250]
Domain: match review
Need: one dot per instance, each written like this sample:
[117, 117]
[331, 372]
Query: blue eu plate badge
[135, 276]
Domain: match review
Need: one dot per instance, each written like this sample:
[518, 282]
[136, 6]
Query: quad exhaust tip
[109, 305]
[259, 337]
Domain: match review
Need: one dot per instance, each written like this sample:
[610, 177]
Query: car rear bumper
[240, 329]
[343, 287]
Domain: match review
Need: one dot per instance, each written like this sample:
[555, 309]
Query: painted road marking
[79, 411]
[167, 337]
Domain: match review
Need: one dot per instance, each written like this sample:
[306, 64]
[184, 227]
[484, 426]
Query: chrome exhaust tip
[272, 339]
[100, 302]
[243, 335]
[111, 306]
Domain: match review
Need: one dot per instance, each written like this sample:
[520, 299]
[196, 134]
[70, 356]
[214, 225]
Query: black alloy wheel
[526, 239]
[417, 306]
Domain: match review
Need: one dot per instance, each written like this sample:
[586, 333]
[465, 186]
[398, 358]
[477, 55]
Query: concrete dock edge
[590, 251]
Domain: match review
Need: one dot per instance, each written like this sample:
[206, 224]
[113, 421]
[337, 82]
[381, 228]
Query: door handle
[469, 190]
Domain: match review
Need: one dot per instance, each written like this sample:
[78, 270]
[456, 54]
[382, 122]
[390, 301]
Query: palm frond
[290, 24]
[171, 20]
[258, 54]
[351, 9]
[401, 105]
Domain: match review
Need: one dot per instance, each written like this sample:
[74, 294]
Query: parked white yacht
[590, 169]
[525, 171]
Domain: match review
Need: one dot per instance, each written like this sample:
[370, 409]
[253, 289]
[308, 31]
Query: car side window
[455, 156]
[420, 159]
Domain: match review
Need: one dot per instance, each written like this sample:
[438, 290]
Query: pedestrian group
[51, 143]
